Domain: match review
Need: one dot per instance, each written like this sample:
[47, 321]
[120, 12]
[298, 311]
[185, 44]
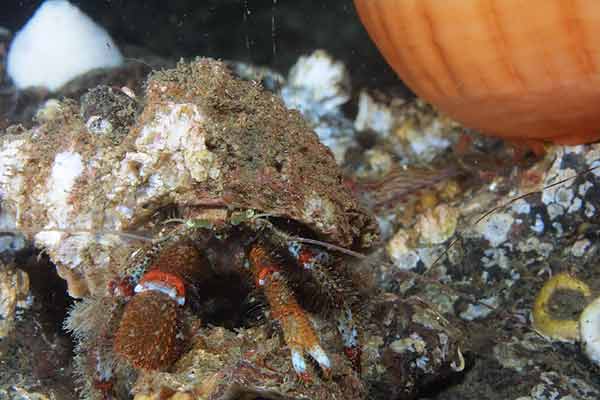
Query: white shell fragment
[58, 44]
[318, 79]
[589, 328]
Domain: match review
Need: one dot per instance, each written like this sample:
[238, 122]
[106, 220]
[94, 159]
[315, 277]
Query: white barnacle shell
[589, 330]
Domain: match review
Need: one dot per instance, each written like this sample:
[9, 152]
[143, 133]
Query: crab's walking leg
[297, 329]
[316, 262]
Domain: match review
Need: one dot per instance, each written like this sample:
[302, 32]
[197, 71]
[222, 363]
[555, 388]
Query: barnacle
[544, 322]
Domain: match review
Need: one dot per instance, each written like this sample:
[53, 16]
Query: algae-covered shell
[265, 156]
[522, 70]
[204, 139]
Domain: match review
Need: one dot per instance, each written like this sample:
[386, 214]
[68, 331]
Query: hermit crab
[217, 179]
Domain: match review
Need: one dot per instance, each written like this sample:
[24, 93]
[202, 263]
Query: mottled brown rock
[408, 347]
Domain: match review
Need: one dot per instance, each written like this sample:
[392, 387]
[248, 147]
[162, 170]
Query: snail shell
[520, 70]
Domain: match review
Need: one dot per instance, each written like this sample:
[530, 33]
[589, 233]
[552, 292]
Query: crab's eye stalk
[516, 72]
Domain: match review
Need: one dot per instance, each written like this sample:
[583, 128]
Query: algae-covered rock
[408, 346]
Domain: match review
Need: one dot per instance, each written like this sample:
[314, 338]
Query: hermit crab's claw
[301, 338]
[299, 363]
[297, 329]
[148, 333]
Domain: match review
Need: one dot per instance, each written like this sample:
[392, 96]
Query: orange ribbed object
[519, 69]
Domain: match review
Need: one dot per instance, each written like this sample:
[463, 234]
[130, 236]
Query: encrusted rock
[249, 363]
[14, 289]
[437, 225]
[413, 128]
[417, 347]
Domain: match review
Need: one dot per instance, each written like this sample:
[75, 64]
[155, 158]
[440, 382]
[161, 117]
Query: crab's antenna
[328, 246]
[299, 239]
[127, 235]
